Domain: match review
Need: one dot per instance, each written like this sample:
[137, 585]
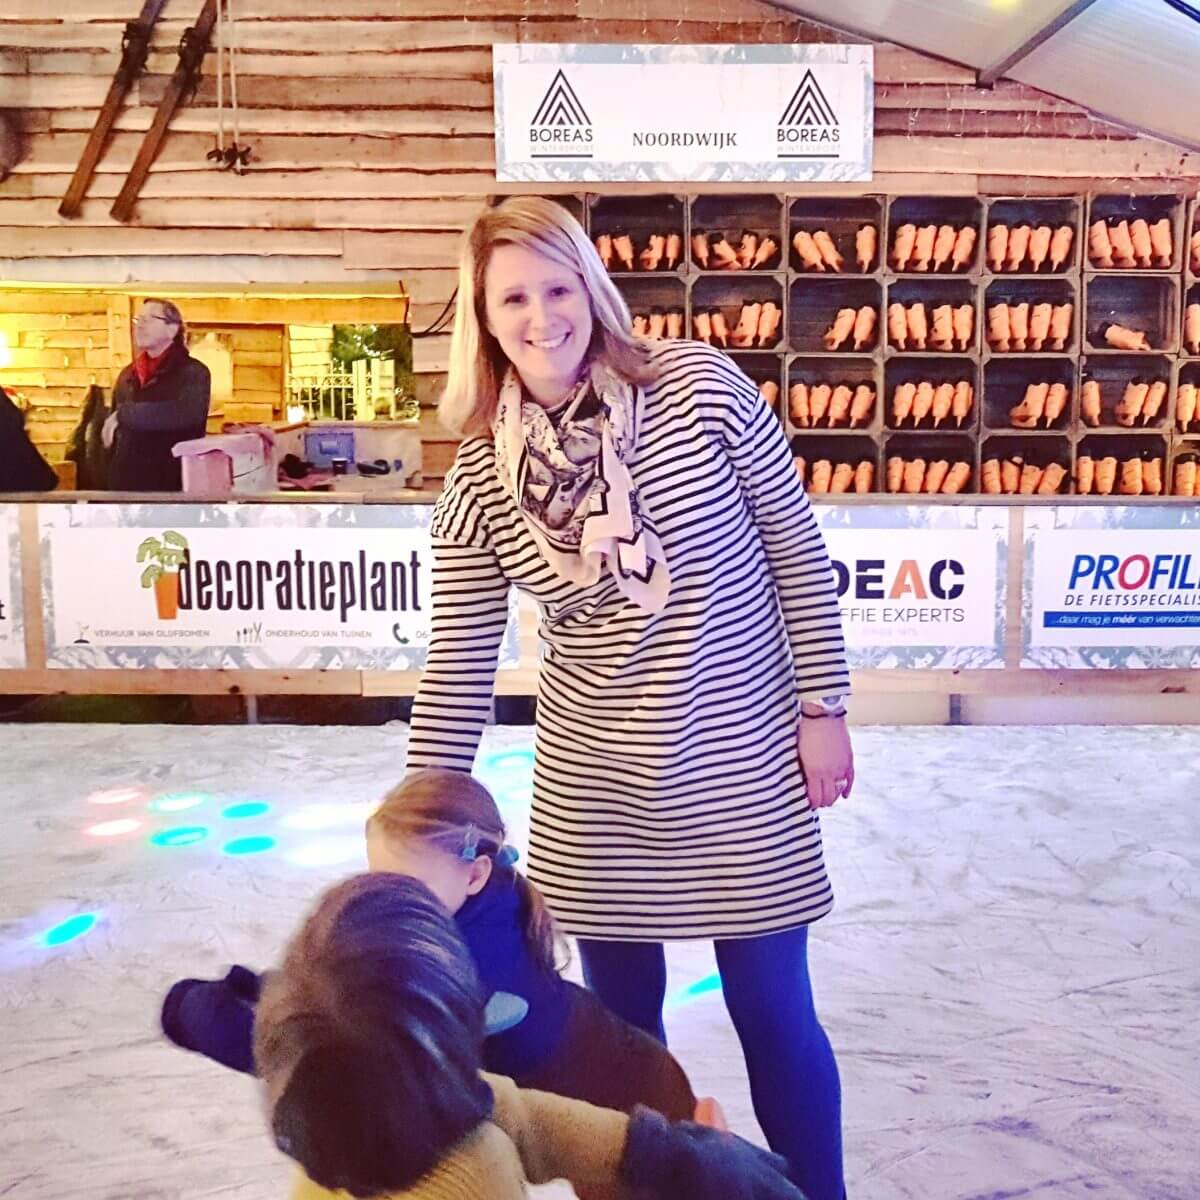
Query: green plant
[167, 554]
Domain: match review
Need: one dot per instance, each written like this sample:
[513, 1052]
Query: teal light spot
[693, 991]
[69, 930]
[181, 835]
[251, 808]
[508, 760]
[178, 802]
[249, 845]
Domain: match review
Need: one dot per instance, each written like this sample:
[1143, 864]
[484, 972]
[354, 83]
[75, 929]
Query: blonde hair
[454, 812]
[477, 364]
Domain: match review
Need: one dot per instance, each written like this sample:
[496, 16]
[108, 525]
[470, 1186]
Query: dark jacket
[87, 450]
[171, 407]
[22, 468]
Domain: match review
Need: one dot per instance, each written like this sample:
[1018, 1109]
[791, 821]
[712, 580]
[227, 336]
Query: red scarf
[146, 367]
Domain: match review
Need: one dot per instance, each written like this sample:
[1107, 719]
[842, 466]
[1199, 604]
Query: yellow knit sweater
[532, 1137]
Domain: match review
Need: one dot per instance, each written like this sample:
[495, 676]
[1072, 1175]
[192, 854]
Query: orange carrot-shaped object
[1039, 325]
[1122, 245]
[1089, 402]
[841, 329]
[1039, 246]
[895, 474]
[746, 329]
[641, 325]
[1010, 475]
[1060, 325]
[702, 324]
[1139, 235]
[864, 326]
[943, 246]
[801, 466]
[990, 477]
[864, 476]
[897, 323]
[822, 476]
[1085, 474]
[654, 253]
[866, 243]
[747, 249]
[935, 476]
[723, 257]
[1162, 242]
[604, 248]
[767, 330]
[1156, 397]
[964, 397]
[1126, 339]
[862, 405]
[1194, 251]
[673, 250]
[902, 246]
[999, 328]
[1100, 249]
[1152, 476]
[806, 251]
[720, 331]
[1018, 323]
[769, 391]
[623, 249]
[674, 322]
[922, 401]
[1060, 246]
[942, 335]
[997, 246]
[923, 252]
[1185, 477]
[957, 479]
[1185, 405]
[964, 247]
[1018, 247]
[843, 477]
[1131, 477]
[700, 249]
[903, 399]
[658, 323]
[1031, 476]
[943, 402]
[914, 476]
[828, 251]
[918, 329]
[768, 247]
[839, 406]
[1191, 328]
[964, 325]
[819, 397]
[1129, 407]
[1028, 413]
[1056, 403]
[1052, 479]
[798, 411]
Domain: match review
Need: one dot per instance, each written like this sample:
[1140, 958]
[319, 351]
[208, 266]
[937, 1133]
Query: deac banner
[687, 113]
[12, 631]
[238, 586]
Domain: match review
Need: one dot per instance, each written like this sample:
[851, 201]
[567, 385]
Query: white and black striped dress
[668, 800]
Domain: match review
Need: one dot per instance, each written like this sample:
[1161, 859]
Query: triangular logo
[809, 105]
[560, 105]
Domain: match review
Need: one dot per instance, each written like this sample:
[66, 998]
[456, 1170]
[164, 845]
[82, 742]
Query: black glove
[684, 1161]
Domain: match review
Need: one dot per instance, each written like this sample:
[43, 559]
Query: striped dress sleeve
[793, 542]
[470, 611]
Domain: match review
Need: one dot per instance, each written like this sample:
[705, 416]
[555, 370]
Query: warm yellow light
[5, 352]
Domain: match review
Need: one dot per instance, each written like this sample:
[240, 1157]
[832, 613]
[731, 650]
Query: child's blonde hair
[455, 812]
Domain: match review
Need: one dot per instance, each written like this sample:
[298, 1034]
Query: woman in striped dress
[645, 498]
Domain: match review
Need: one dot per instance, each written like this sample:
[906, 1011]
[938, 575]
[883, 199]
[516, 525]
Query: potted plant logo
[163, 558]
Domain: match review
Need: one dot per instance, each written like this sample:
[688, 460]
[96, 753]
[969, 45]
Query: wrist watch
[824, 706]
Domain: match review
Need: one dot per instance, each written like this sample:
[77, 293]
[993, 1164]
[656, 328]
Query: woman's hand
[826, 758]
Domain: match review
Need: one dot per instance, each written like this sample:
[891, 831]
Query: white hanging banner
[690, 113]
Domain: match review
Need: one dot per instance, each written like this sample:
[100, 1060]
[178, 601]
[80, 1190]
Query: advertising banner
[12, 628]
[695, 113]
[920, 587]
[283, 587]
[1112, 587]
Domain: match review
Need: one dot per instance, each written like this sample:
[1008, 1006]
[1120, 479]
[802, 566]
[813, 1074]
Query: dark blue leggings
[793, 1075]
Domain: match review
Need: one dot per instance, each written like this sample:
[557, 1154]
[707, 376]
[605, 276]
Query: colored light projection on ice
[180, 835]
[242, 847]
[694, 991]
[245, 810]
[70, 930]
[112, 829]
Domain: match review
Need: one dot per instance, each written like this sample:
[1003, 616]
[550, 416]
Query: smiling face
[540, 314]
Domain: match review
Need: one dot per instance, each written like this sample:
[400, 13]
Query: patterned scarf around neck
[570, 479]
